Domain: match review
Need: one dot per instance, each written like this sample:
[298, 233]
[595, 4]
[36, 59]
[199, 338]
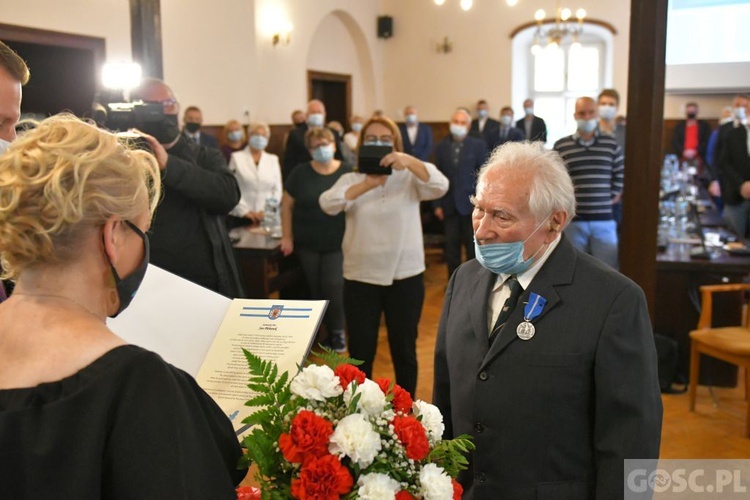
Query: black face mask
[300, 125]
[192, 127]
[691, 115]
[165, 131]
[127, 287]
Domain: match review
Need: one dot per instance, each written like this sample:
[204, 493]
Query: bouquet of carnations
[332, 433]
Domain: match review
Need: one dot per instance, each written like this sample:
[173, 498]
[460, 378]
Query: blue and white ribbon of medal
[533, 309]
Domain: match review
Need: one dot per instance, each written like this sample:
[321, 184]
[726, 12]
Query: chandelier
[564, 28]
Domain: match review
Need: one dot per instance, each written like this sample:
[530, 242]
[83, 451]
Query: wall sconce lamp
[283, 34]
[444, 47]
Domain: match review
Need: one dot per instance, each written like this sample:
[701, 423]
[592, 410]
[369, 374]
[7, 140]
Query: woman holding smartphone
[383, 249]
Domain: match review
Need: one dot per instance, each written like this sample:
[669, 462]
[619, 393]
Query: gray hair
[551, 187]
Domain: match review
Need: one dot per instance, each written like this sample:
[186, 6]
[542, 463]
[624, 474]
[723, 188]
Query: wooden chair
[730, 344]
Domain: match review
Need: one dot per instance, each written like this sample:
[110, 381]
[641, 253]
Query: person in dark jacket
[189, 236]
[459, 157]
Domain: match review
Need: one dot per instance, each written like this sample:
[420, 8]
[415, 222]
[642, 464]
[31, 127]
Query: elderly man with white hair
[544, 354]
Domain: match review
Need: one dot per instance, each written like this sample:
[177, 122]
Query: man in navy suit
[484, 127]
[417, 136]
[544, 354]
[459, 156]
[506, 131]
[192, 120]
[534, 128]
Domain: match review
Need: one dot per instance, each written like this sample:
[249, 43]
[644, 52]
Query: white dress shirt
[257, 182]
[481, 122]
[501, 291]
[411, 131]
[383, 236]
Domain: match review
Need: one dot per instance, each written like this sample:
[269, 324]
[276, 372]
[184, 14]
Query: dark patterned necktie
[510, 303]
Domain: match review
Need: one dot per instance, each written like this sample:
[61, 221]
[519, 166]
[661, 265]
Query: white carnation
[435, 484]
[372, 401]
[355, 438]
[377, 486]
[432, 420]
[316, 383]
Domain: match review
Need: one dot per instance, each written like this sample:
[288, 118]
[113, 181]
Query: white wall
[335, 49]
[108, 19]
[480, 64]
[219, 56]
[282, 70]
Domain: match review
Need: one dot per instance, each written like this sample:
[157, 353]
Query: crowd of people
[720, 159]
[536, 316]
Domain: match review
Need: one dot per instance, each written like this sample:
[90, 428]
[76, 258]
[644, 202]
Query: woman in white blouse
[258, 174]
[383, 250]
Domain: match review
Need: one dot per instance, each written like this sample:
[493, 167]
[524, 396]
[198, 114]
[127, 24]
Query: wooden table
[677, 304]
[263, 268]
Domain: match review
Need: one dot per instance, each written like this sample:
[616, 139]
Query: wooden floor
[715, 430]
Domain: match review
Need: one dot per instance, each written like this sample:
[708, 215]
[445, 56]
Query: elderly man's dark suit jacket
[552, 417]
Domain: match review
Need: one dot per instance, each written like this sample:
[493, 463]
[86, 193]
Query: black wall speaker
[385, 27]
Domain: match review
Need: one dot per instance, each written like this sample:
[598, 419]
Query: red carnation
[404, 495]
[401, 398]
[307, 438]
[248, 493]
[322, 478]
[412, 435]
[346, 373]
[458, 490]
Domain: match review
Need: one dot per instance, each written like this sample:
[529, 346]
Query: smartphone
[369, 157]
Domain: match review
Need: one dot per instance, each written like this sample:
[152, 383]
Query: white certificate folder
[203, 333]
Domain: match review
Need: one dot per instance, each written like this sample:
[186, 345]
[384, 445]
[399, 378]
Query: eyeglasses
[382, 138]
[168, 104]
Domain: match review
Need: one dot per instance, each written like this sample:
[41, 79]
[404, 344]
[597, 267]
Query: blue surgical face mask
[607, 112]
[356, 127]
[458, 131]
[323, 154]
[740, 113]
[506, 120]
[235, 136]
[528, 111]
[258, 142]
[126, 287]
[315, 120]
[411, 118]
[587, 126]
[482, 113]
[3, 145]
[506, 258]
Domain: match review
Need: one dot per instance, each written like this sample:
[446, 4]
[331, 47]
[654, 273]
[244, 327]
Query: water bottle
[271, 218]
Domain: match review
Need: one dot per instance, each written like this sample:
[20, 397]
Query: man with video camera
[189, 236]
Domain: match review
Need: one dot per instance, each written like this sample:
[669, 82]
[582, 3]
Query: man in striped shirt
[595, 163]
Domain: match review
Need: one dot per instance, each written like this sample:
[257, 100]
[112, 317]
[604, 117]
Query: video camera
[122, 116]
